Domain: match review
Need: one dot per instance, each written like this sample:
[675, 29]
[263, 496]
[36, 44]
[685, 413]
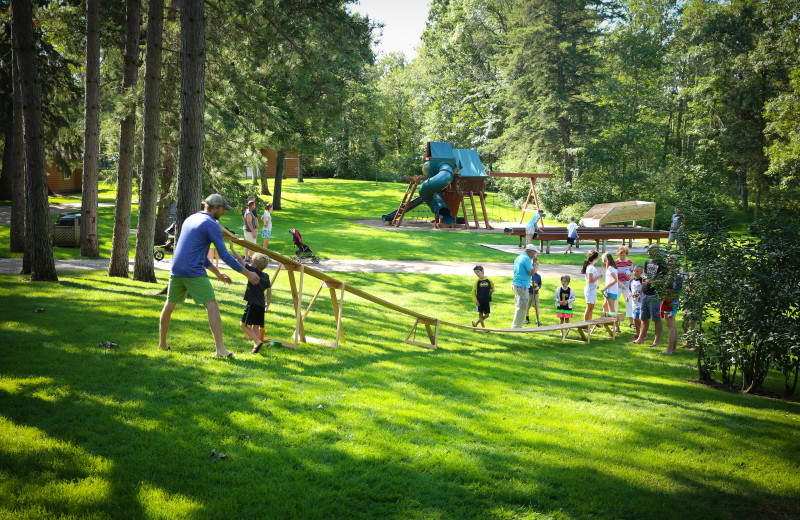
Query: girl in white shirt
[266, 231]
[611, 290]
[590, 290]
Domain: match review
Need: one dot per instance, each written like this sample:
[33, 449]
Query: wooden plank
[535, 196]
[275, 276]
[474, 211]
[408, 339]
[322, 342]
[337, 312]
[482, 198]
[310, 304]
[297, 294]
[464, 211]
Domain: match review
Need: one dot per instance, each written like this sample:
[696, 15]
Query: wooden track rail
[431, 323]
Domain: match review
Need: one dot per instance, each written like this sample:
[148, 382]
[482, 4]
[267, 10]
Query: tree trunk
[165, 200]
[118, 266]
[299, 167]
[6, 176]
[743, 187]
[143, 269]
[170, 94]
[190, 154]
[678, 135]
[90, 245]
[17, 238]
[263, 177]
[42, 265]
[279, 164]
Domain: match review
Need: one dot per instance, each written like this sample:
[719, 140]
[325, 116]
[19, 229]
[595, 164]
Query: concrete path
[14, 265]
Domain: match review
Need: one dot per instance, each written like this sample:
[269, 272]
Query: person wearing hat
[188, 271]
[523, 273]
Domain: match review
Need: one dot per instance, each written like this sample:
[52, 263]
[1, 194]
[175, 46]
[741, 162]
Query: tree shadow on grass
[155, 420]
[404, 432]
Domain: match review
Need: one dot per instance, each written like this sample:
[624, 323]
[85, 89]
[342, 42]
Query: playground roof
[441, 151]
[467, 161]
[469, 164]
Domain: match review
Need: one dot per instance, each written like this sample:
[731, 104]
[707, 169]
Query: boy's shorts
[253, 315]
[534, 298]
[266, 233]
[651, 308]
[529, 230]
[637, 313]
[483, 307]
[571, 241]
[248, 235]
[199, 287]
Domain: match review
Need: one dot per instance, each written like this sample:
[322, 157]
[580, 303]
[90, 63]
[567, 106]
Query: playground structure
[450, 177]
[602, 215]
[297, 272]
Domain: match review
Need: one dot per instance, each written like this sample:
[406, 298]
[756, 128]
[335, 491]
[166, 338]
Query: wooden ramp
[297, 272]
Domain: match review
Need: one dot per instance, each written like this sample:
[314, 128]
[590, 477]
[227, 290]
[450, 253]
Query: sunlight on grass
[157, 503]
[486, 426]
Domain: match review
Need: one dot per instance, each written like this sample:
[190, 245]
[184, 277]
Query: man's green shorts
[199, 287]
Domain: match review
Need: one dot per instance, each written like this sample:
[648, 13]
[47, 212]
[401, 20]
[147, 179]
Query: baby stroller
[159, 251]
[303, 252]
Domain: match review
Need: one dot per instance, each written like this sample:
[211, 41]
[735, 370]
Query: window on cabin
[67, 175]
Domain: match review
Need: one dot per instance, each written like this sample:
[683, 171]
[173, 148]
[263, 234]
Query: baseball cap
[215, 199]
[530, 247]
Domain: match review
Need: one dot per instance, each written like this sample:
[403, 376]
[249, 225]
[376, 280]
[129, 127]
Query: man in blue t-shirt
[189, 264]
[523, 274]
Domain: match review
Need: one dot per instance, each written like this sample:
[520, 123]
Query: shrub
[752, 285]
[576, 210]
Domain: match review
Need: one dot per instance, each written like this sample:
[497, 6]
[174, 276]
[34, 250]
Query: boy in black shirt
[482, 295]
[253, 318]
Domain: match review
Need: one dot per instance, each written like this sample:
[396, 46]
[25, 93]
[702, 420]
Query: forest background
[621, 100]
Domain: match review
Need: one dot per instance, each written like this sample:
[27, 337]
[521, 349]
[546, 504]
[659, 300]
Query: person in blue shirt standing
[188, 271]
[536, 222]
[523, 274]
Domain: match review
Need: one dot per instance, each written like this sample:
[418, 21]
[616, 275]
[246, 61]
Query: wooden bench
[599, 235]
[520, 231]
[584, 328]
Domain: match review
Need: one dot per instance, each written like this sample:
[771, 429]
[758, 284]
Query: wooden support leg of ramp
[433, 335]
[581, 330]
[337, 311]
[297, 297]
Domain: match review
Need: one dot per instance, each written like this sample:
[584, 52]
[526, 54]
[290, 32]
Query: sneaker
[527, 321]
[538, 323]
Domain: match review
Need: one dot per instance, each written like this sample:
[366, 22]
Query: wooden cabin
[291, 164]
[61, 182]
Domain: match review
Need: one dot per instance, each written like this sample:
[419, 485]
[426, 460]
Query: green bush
[751, 289]
[576, 210]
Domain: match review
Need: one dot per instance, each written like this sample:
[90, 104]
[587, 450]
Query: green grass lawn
[487, 426]
[323, 210]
